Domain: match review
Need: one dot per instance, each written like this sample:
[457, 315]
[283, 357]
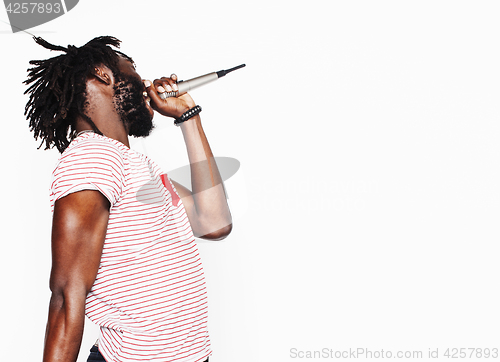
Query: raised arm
[78, 231]
[206, 204]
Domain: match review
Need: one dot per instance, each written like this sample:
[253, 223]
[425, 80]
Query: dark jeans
[96, 356]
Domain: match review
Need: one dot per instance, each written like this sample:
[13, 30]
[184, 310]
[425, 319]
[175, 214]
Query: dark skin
[80, 219]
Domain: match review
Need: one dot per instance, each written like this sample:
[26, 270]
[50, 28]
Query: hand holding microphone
[168, 106]
[167, 88]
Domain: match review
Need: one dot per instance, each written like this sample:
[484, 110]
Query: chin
[139, 120]
[141, 129]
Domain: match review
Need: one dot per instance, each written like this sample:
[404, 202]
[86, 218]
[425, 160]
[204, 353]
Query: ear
[102, 74]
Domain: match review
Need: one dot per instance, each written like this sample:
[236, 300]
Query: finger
[171, 82]
[165, 85]
[152, 92]
[162, 86]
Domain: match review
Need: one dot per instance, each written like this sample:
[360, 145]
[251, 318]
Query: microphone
[187, 85]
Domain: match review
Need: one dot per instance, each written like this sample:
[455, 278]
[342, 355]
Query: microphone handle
[186, 86]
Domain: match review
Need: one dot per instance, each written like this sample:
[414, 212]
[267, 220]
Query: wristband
[187, 115]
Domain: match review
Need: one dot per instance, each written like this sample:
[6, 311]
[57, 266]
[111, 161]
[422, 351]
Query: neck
[112, 128]
[101, 109]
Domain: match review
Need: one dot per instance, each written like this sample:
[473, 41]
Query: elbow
[219, 234]
[212, 227]
[224, 232]
[66, 291]
[70, 301]
[56, 300]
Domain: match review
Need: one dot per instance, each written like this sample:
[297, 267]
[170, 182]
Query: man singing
[123, 247]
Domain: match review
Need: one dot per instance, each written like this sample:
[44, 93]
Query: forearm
[64, 328]
[209, 196]
[206, 204]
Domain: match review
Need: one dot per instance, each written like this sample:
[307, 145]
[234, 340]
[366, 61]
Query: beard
[131, 106]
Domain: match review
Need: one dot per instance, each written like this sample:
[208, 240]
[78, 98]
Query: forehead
[126, 66]
[124, 62]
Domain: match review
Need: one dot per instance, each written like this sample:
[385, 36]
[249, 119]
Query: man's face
[130, 102]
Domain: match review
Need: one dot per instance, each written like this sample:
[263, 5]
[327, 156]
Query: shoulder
[91, 148]
[91, 162]
[92, 143]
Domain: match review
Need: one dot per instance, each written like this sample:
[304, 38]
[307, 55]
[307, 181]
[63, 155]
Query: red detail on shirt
[168, 185]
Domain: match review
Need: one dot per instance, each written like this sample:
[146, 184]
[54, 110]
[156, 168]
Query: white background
[367, 203]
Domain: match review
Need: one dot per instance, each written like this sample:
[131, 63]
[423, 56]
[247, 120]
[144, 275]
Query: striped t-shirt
[149, 297]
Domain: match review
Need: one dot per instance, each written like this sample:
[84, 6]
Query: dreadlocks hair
[58, 88]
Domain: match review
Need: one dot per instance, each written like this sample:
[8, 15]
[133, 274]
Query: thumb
[152, 92]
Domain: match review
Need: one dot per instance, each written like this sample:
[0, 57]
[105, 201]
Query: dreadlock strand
[47, 45]
[71, 84]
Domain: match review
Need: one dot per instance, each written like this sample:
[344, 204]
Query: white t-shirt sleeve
[91, 164]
